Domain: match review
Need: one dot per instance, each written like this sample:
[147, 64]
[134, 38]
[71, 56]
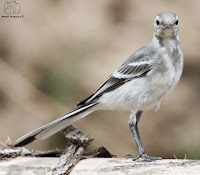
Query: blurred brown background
[61, 51]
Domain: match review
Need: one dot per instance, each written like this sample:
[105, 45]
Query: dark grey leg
[133, 124]
[138, 116]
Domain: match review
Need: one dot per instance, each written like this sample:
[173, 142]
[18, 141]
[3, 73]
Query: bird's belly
[139, 94]
[159, 87]
[154, 95]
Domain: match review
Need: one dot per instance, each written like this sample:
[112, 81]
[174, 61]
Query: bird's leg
[133, 124]
[138, 116]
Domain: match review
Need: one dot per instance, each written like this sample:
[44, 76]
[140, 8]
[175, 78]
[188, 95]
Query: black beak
[169, 26]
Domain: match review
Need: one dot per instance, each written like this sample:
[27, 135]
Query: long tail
[56, 125]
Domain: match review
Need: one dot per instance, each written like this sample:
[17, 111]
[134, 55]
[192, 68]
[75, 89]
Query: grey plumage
[138, 85]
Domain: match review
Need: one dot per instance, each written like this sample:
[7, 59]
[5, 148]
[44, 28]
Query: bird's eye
[157, 22]
[176, 22]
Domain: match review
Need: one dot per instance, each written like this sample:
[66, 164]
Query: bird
[140, 84]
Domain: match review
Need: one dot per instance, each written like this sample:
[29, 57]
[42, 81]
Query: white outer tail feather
[57, 125]
[60, 125]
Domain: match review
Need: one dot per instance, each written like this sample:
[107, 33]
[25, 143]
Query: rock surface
[101, 166]
[121, 166]
[27, 165]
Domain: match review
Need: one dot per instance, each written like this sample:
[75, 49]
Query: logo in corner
[11, 8]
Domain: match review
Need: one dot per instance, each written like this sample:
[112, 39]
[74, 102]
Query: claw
[133, 157]
[144, 156]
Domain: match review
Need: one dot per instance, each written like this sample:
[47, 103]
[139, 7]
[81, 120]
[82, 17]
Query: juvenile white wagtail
[138, 85]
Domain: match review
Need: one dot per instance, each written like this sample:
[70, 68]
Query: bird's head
[166, 25]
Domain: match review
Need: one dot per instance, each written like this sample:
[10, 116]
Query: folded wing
[125, 73]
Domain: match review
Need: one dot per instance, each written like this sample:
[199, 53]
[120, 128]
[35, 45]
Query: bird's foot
[144, 156]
